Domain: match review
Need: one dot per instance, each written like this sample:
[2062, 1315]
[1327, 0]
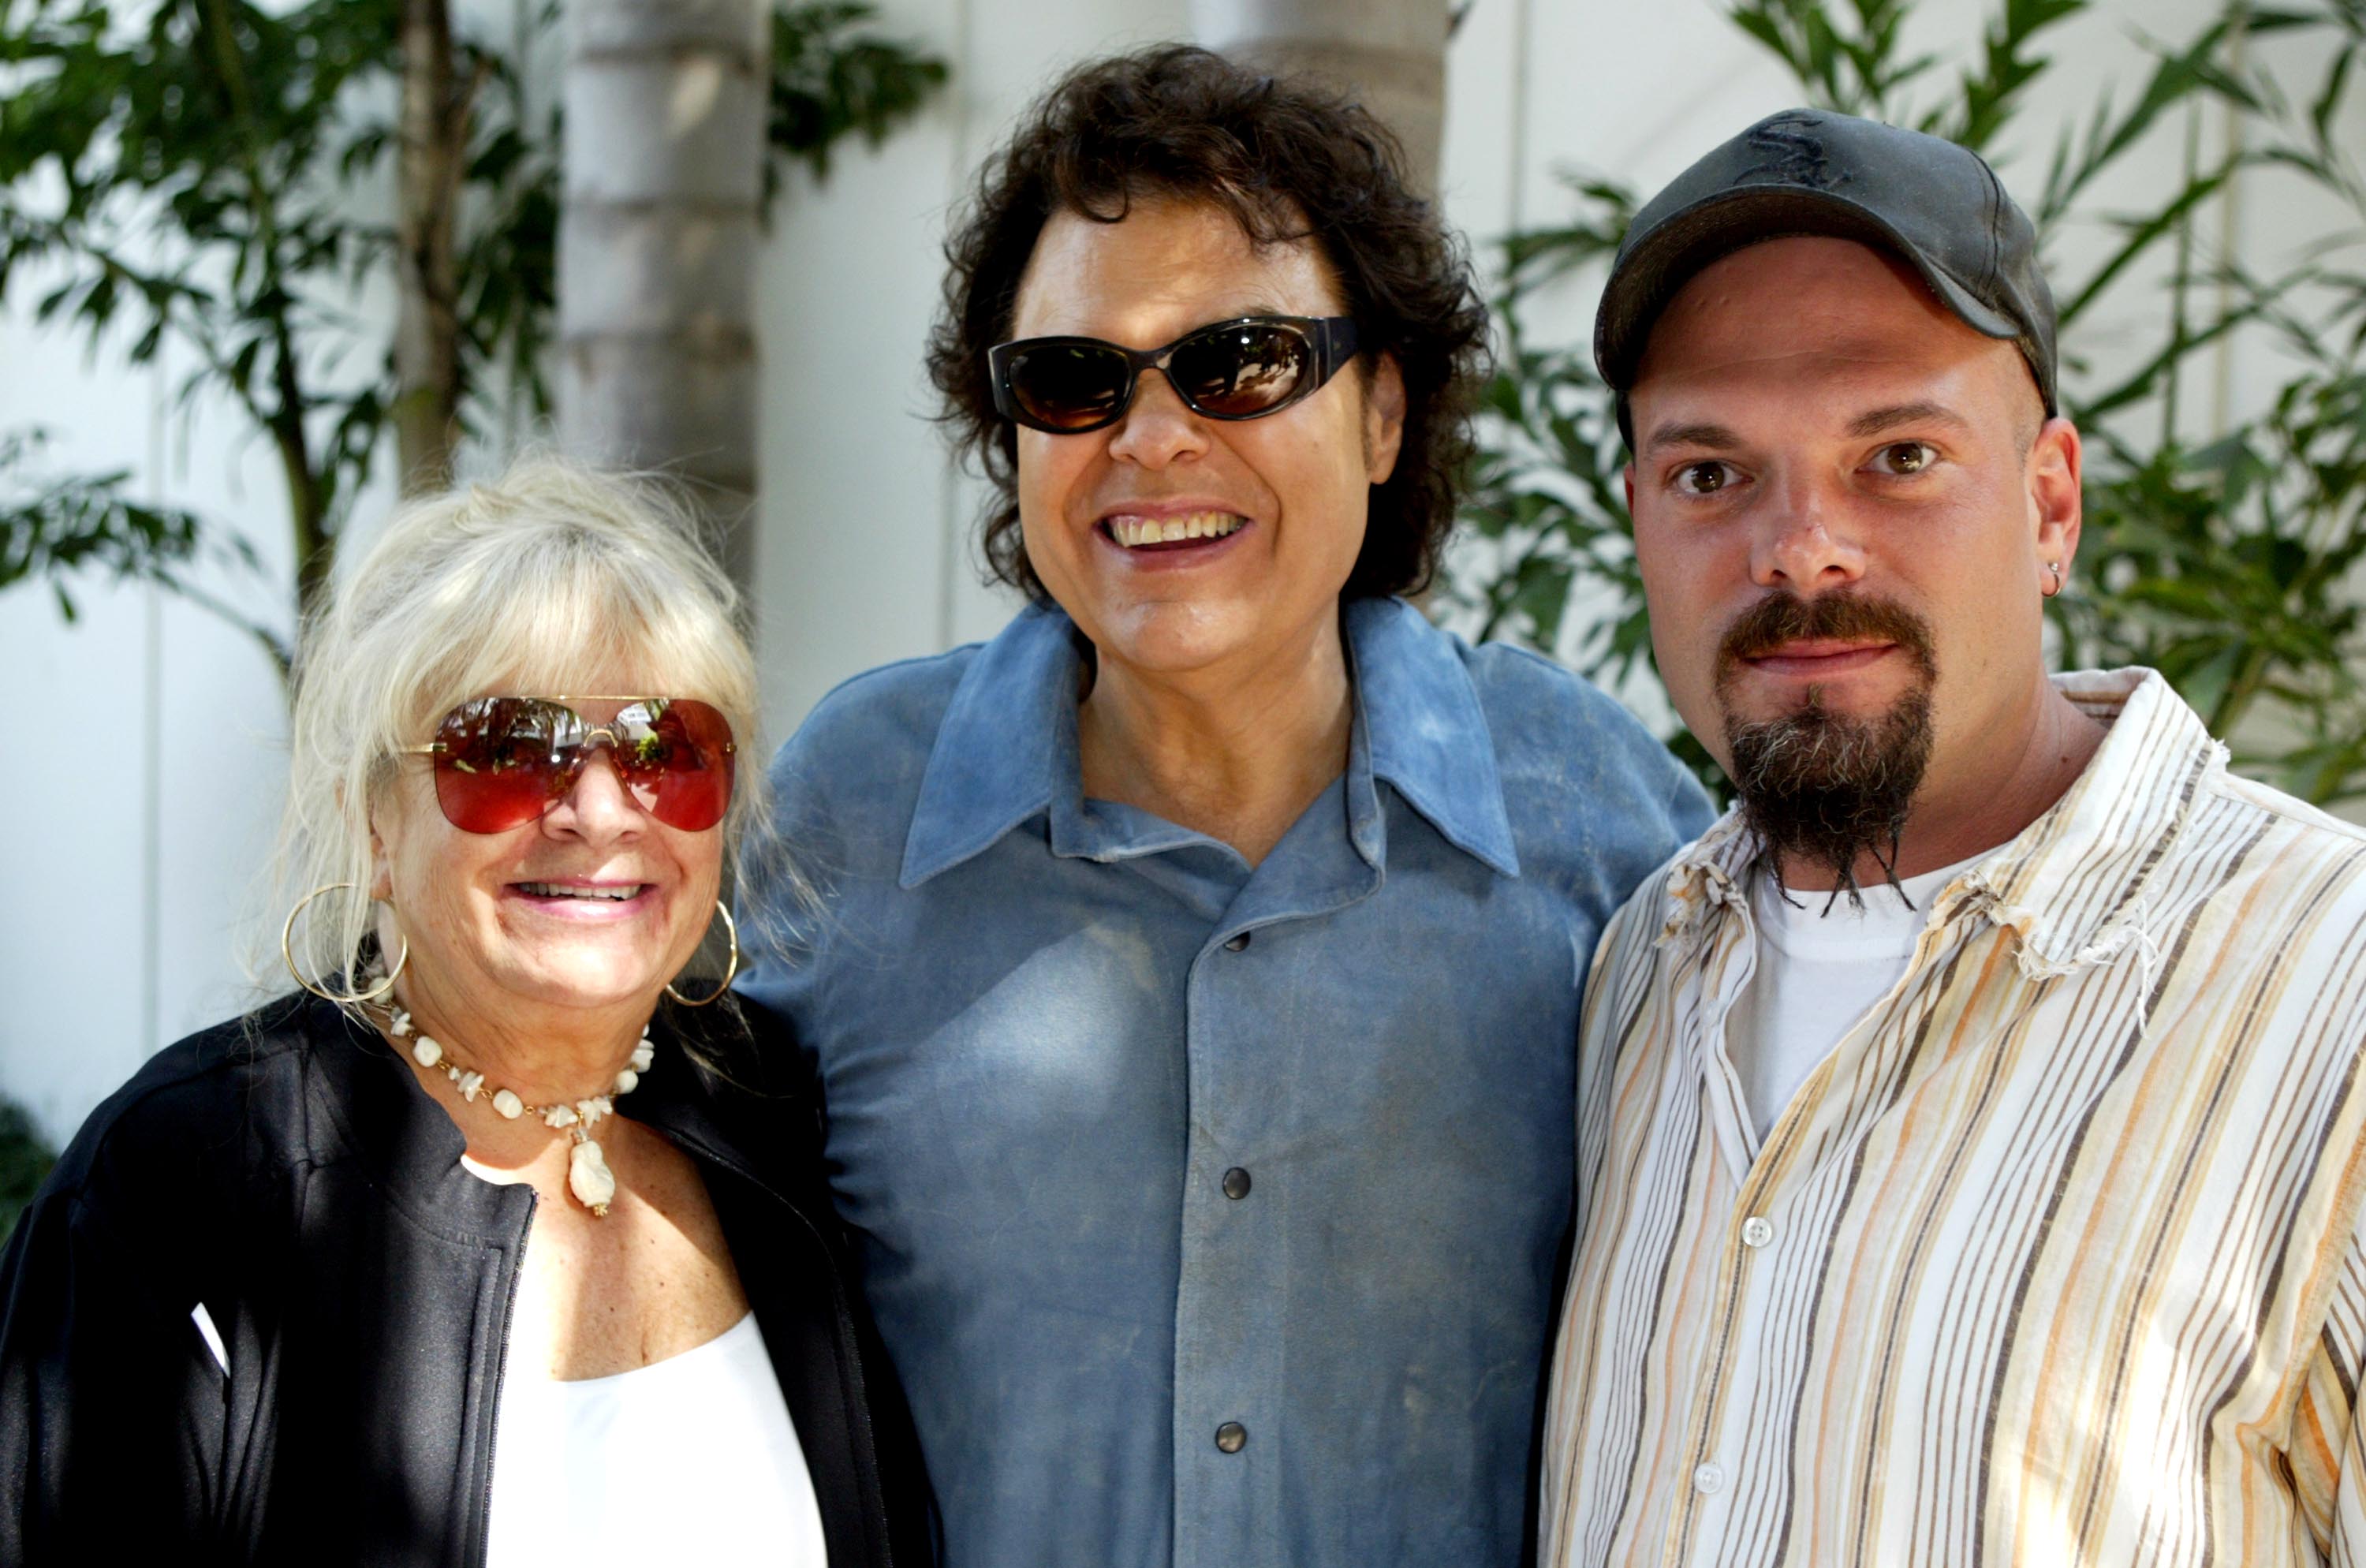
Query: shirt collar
[1428, 734]
[992, 765]
[2070, 886]
[1007, 747]
[2073, 884]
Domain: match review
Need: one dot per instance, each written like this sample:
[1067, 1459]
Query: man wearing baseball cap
[1972, 1144]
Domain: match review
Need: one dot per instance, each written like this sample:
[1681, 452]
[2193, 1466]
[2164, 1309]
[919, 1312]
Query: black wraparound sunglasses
[1243, 369]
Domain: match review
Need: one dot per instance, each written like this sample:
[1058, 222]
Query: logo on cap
[1791, 153]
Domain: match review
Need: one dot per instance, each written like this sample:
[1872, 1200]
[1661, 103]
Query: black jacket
[289, 1172]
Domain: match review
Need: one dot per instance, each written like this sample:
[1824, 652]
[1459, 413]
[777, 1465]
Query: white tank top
[687, 1460]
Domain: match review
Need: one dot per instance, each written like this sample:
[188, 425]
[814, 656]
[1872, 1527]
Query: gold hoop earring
[287, 953]
[731, 927]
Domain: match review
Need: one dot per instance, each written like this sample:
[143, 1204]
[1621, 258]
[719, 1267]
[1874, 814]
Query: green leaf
[832, 80]
[2139, 235]
[25, 1162]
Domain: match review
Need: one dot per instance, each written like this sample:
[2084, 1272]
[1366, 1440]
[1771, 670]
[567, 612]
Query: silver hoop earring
[287, 953]
[732, 928]
[2056, 567]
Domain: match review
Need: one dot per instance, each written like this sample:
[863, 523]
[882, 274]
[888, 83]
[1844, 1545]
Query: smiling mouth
[613, 893]
[1135, 532]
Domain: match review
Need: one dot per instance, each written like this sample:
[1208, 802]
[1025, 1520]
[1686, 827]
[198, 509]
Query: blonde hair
[529, 584]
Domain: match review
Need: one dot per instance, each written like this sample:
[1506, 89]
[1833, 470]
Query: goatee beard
[1825, 789]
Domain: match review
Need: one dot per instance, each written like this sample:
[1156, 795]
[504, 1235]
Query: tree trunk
[665, 104]
[1389, 53]
[431, 159]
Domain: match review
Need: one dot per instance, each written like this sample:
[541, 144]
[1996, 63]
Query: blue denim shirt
[1145, 1147]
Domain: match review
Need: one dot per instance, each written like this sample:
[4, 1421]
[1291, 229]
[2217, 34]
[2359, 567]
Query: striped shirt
[2055, 1259]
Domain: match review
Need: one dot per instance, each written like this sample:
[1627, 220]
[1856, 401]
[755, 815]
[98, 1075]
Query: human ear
[381, 882]
[2052, 474]
[1384, 416]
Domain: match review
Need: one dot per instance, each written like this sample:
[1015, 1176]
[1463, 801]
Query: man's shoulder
[865, 746]
[1530, 699]
[2298, 839]
[2323, 832]
[895, 705]
[1568, 749]
[2164, 789]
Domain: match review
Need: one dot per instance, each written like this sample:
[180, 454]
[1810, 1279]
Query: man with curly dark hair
[1196, 990]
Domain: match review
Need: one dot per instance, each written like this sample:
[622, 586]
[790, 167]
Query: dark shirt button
[1236, 1183]
[1233, 944]
[1231, 1436]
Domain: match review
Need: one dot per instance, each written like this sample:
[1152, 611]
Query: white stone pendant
[589, 1178]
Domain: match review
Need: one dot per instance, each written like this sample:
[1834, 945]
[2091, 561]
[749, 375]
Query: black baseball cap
[1936, 205]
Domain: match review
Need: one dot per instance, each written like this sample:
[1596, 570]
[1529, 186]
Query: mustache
[1783, 617]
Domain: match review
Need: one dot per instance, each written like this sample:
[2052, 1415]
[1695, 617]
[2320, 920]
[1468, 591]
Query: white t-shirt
[687, 1460]
[1817, 975]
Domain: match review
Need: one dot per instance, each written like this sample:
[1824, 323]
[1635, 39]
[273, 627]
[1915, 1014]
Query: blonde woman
[497, 1246]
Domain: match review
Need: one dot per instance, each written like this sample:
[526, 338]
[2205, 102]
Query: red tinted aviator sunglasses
[501, 763]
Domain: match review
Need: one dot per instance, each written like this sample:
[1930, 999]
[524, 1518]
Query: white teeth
[560, 890]
[1134, 531]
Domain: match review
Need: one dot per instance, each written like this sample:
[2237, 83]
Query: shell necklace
[588, 1176]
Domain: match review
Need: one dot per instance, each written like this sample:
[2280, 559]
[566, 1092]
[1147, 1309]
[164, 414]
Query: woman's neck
[1237, 754]
[545, 1055]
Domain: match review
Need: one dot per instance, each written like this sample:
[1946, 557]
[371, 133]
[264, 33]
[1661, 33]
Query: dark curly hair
[1290, 161]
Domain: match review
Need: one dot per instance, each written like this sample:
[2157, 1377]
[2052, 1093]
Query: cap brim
[1684, 242]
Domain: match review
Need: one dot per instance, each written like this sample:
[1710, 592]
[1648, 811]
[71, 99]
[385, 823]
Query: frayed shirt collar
[2071, 884]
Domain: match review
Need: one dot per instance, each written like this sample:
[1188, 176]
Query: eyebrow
[1714, 437]
[1875, 422]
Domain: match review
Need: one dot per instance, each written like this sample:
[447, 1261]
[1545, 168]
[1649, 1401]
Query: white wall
[131, 871]
[146, 776]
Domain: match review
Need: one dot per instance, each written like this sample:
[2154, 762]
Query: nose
[1157, 428]
[1802, 540]
[598, 809]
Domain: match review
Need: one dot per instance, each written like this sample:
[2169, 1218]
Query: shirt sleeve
[791, 873]
[112, 1405]
[2327, 1453]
